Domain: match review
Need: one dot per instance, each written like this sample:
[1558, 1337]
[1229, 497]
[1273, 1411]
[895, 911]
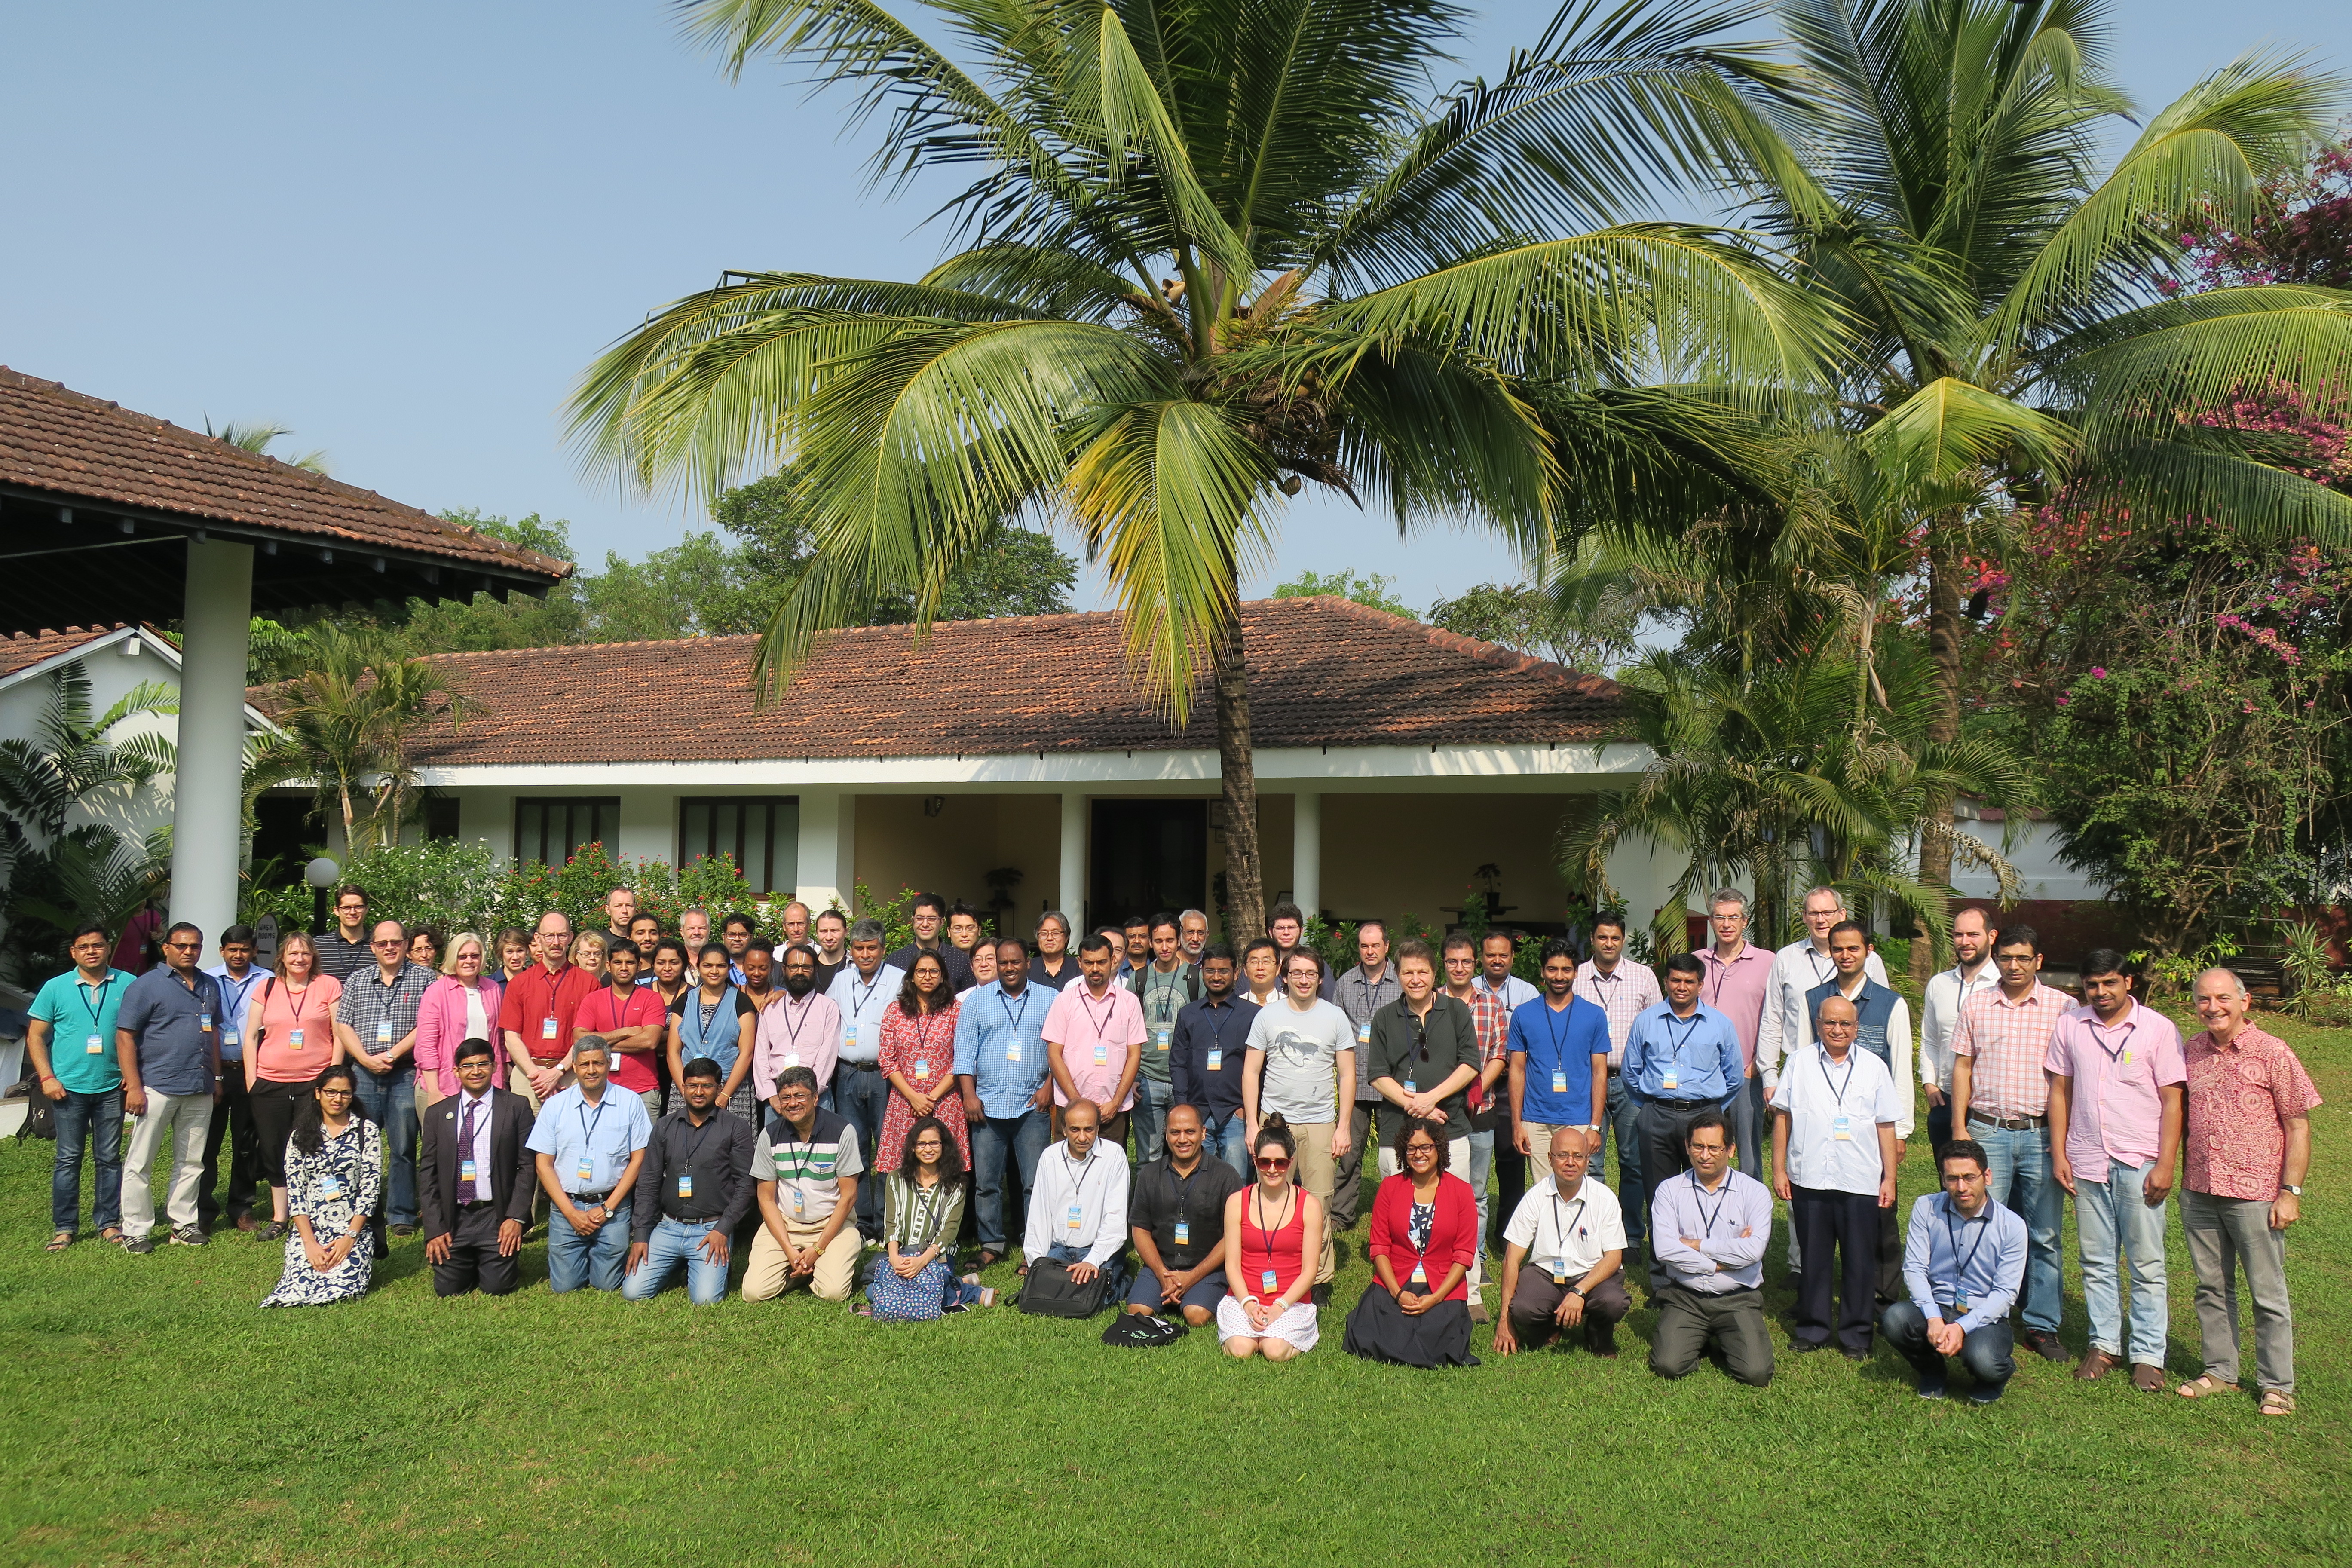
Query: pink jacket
[441, 1029]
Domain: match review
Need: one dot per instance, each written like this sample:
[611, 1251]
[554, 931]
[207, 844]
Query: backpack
[40, 1113]
[1132, 1330]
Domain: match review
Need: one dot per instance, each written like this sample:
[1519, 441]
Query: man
[237, 977]
[1080, 1214]
[1301, 1065]
[476, 1181]
[693, 1186]
[1212, 1043]
[1176, 1217]
[344, 952]
[2000, 1099]
[1487, 1097]
[2247, 1148]
[590, 1141]
[167, 1043]
[694, 930]
[802, 1030]
[1192, 934]
[1963, 1261]
[1054, 965]
[645, 934]
[2117, 1071]
[620, 909]
[1006, 1083]
[72, 1037]
[963, 934]
[375, 1022]
[1135, 948]
[1738, 974]
[1622, 991]
[1287, 924]
[1711, 1224]
[538, 1012]
[1570, 1226]
[806, 1166]
[1497, 953]
[1163, 987]
[1797, 969]
[1834, 1164]
[1261, 979]
[635, 1024]
[1885, 1033]
[1682, 1059]
[1359, 992]
[735, 934]
[1094, 1041]
[795, 924]
[863, 992]
[929, 917]
[1939, 1015]
[832, 931]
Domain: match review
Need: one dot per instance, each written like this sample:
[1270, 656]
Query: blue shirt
[1725, 1259]
[77, 1015]
[597, 1138]
[1000, 1044]
[1701, 1053]
[234, 995]
[862, 1005]
[1559, 1047]
[172, 1023]
[1201, 1027]
[1948, 1257]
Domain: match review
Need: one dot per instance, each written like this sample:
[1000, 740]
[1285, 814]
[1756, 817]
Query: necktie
[466, 1151]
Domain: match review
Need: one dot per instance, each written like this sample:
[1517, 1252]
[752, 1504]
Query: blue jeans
[1153, 1098]
[389, 1101]
[1482, 1161]
[95, 1121]
[861, 1094]
[1024, 1138]
[2021, 1178]
[573, 1259]
[673, 1242]
[1985, 1352]
[1623, 1118]
[1225, 1139]
[2114, 1225]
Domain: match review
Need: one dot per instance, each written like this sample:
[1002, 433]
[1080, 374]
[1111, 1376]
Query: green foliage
[1371, 588]
[1583, 635]
[2170, 975]
[897, 915]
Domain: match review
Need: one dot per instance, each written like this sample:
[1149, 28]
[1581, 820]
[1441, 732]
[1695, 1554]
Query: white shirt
[1939, 1019]
[1796, 968]
[1095, 1187]
[1574, 1228]
[1898, 1053]
[1834, 1110]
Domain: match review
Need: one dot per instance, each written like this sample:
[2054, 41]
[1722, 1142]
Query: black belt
[589, 1200]
[711, 1218]
[1686, 1104]
[2010, 1123]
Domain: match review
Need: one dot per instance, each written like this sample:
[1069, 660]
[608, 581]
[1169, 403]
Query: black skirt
[1380, 1330]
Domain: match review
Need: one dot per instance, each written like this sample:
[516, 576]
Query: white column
[207, 834]
[1307, 852]
[827, 871]
[1071, 898]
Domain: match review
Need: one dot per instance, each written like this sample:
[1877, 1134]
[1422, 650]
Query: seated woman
[1266, 1226]
[335, 1167]
[922, 1204]
[1424, 1233]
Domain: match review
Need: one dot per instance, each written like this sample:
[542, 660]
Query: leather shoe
[1855, 1353]
[2094, 1365]
[2043, 1343]
[2147, 1379]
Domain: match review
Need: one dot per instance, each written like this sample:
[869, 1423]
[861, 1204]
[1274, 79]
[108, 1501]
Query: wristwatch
[2284, 1188]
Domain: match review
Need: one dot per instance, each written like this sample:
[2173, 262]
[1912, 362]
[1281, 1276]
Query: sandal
[113, 1233]
[60, 1241]
[2277, 1401]
[2205, 1387]
[989, 1259]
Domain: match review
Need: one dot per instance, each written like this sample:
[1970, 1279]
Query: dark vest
[1873, 1005]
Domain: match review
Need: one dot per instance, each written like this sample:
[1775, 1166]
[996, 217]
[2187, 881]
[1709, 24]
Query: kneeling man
[1176, 1217]
[1708, 1227]
[1572, 1229]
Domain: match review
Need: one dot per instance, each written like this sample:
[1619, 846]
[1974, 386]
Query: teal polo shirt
[76, 1012]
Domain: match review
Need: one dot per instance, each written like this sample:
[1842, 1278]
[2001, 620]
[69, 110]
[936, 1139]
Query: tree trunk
[1244, 868]
[1944, 663]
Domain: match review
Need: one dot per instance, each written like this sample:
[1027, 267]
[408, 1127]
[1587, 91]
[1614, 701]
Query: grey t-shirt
[1302, 1066]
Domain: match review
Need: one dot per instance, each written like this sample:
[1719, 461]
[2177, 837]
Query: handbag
[41, 1114]
[1048, 1291]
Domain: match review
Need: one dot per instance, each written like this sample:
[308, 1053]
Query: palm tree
[255, 439]
[1941, 179]
[352, 718]
[1212, 253]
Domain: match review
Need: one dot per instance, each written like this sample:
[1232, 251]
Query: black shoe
[189, 1235]
[1855, 1353]
[140, 1245]
[403, 1231]
[1806, 1347]
[1931, 1388]
[1320, 1295]
[1984, 1393]
[1602, 1341]
[2044, 1344]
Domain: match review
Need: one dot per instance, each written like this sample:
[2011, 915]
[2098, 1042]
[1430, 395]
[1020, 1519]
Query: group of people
[642, 1092]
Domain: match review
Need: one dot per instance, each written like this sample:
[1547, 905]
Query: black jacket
[514, 1172]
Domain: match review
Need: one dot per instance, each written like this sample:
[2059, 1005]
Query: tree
[1210, 254]
[352, 716]
[1369, 588]
[1523, 616]
[255, 439]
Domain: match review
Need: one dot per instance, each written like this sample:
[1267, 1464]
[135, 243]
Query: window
[759, 832]
[440, 817]
[550, 828]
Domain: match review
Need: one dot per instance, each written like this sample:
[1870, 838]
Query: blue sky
[402, 230]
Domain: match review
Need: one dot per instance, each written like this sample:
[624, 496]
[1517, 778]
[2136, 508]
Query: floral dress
[922, 1051]
[327, 1188]
[915, 1219]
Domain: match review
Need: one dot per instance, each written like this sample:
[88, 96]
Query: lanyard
[1722, 968]
[99, 1006]
[1555, 1019]
[1560, 1226]
[1814, 962]
[1840, 1090]
[1078, 1182]
[1110, 1006]
[1265, 1230]
[699, 1134]
[1699, 1201]
[1952, 1230]
[2099, 1035]
[922, 1022]
[856, 1007]
[1013, 1019]
[1690, 1027]
[792, 1030]
[588, 1123]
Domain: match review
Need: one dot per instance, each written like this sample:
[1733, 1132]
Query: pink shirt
[2009, 1042]
[2115, 1111]
[276, 1012]
[441, 1028]
[2241, 1097]
[1736, 991]
[1097, 1037]
[805, 1034]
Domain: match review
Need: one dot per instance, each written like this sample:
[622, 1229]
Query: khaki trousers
[1318, 1172]
[770, 1271]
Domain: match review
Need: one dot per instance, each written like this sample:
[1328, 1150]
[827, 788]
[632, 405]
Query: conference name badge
[1183, 1233]
[1671, 1080]
[1959, 1303]
[1410, 1087]
[686, 1184]
[849, 1037]
[384, 1031]
[230, 1038]
[1420, 1274]
[1841, 1128]
[587, 1170]
[1159, 1036]
[1216, 1058]
[923, 1067]
[1560, 1080]
[792, 1058]
[1076, 1215]
[1363, 1034]
[1559, 1270]
[330, 1185]
[1102, 1053]
[97, 1046]
[1012, 1051]
[1266, 1280]
[293, 1039]
[205, 1022]
[465, 1169]
[547, 1027]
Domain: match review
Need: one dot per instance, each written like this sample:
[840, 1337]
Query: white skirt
[1297, 1325]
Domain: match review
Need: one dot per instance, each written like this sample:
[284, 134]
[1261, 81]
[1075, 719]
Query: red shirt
[535, 998]
[1453, 1233]
[598, 1013]
[2241, 1097]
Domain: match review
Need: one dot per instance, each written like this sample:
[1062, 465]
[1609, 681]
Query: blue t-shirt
[81, 1020]
[174, 1025]
[1559, 1047]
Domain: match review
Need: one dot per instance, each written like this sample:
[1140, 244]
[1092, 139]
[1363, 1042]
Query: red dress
[922, 1051]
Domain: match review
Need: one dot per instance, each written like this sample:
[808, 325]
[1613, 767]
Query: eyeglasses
[335, 1093]
[390, 941]
[1273, 1163]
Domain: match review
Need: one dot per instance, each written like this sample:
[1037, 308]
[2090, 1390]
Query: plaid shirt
[367, 1002]
[2010, 1042]
[1624, 994]
[1492, 1021]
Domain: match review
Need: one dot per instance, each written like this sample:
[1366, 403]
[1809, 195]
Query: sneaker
[138, 1245]
[2044, 1344]
[1931, 1388]
[1984, 1393]
[189, 1235]
[403, 1231]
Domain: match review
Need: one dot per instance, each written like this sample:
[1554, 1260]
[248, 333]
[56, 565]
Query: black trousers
[1664, 1152]
[1849, 1223]
[233, 1120]
[1511, 1180]
[474, 1261]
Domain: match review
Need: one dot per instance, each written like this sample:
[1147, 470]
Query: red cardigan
[1452, 1236]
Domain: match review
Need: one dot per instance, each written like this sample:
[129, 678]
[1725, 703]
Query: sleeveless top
[722, 1042]
[1281, 1249]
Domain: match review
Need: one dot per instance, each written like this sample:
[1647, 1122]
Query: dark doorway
[284, 825]
[1148, 855]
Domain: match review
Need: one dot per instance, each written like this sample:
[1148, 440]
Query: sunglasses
[1273, 1163]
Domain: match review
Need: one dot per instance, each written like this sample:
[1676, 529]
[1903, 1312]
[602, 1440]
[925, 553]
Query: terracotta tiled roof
[54, 440]
[26, 650]
[1323, 672]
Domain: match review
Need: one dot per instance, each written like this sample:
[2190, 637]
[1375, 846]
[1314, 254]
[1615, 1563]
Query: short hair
[1817, 890]
[1089, 1104]
[2236, 980]
[457, 940]
[1374, 923]
[1460, 939]
[624, 948]
[352, 890]
[1014, 943]
[468, 1050]
[1686, 963]
[1224, 950]
[1506, 937]
[513, 934]
[2107, 961]
[1559, 947]
[1853, 926]
[738, 918]
[1702, 1122]
[1413, 947]
[1164, 918]
[1964, 1149]
[2019, 935]
[1134, 921]
[644, 915]
[1435, 1126]
[1300, 955]
[814, 957]
[1256, 943]
[1609, 917]
[824, 914]
[1093, 942]
[1200, 915]
[89, 928]
[700, 1067]
[177, 927]
[382, 921]
[1275, 1129]
[1059, 919]
[795, 1077]
[693, 910]
[1723, 896]
[761, 944]
[591, 1043]
[796, 904]
[673, 943]
[933, 901]
[865, 930]
[552, 915]
[238, 932]
[1285, 911]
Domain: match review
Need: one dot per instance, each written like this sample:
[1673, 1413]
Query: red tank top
[1280, 1249]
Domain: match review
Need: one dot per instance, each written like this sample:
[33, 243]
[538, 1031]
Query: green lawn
[155, 1416]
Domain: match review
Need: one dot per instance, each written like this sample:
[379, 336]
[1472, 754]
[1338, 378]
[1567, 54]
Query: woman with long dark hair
[914, 1280]
[1424, 1234]
[334, 1168]
[918, 1060]
[1271, 1312]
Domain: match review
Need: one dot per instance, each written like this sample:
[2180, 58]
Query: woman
[514, 953]
[334, 1160]
[918, 1058]
[715, 1020]
[462, 1006]
[1054, 965]
[1424, 1231]
[424, 947]
[672, 971]
[759, 966]
[1266, 1227]
[922, 1205]
[588, 953]
[290, 1022]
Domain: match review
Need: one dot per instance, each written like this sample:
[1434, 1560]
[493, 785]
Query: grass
[155, 1415]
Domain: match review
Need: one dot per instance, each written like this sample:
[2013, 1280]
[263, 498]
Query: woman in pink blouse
[291, 1030]
[462, 1006]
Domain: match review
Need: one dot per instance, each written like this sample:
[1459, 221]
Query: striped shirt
[2009, 1042]
[1625, 993]
[808, 1171]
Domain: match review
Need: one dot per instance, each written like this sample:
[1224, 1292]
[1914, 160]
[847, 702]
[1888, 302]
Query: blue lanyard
[1952, 1236]
[2099, 1036]
[588, 1123]
[1690, 1027]
[1013, 1019]
[1699, 1201]
[1554, 1022]
[99, 1006]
